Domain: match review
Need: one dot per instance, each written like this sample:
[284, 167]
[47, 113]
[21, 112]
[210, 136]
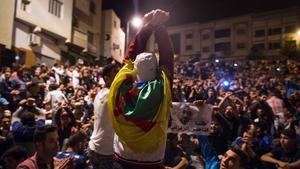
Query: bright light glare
[298, 32]
[235, 65]
[136, 22]
[217, 60]
[226, 83]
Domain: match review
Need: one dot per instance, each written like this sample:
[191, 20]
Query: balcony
[83, 6]
[79, 38]
[92, 49]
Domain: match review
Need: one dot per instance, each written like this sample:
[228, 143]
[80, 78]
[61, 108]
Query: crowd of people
[49, 116]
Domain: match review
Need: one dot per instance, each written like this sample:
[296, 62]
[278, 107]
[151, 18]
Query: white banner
[188, 118]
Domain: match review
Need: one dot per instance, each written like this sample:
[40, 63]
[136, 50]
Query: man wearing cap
[3, 103]
[140, 98]
[3, 108]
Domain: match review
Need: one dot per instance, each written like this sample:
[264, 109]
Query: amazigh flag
[139, 111]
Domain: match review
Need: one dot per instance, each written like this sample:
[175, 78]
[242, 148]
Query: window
[259, 46]
[274, 45]
[222, 33]
[259, 33]
[274, 31]
[92, 7]
[241, 45]
[24, 4]
[290, 29]
[205, 36]
[188, 47]
[205, 49]
[222, 47]
[240, 31]
[189, 36]
[291, 44]
[175, 38]
[75, 22]
[90, 37]
[55, 7]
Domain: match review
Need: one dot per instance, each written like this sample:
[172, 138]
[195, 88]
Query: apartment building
[84, 45]
[113, 37]
[41, 29]
[65, 31]
[233, 38]
[274, 30]
[7, 15]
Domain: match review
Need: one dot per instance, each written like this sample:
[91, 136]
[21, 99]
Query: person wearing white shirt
[101, 142]
[75, 77]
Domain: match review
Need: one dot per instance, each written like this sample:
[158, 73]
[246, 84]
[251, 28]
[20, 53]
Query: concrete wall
[90, 22]
[7, 9]
[37, 14]
[49, 47]
[115, 44]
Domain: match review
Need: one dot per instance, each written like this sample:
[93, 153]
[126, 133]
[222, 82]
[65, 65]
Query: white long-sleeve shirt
[103, 135]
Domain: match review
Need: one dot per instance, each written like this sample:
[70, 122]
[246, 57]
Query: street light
[135, 22]
[298, 32]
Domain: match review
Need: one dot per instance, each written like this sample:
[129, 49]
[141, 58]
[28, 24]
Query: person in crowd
[5, 85]
[6, 135]
[75, 77]
[233, 158]
[46, 145]
[175, 157]
[75, 148]
[217, 137]
[3, 106]
[287, 153]
[29, 105]
[36, 90]
[55, 96]
[66, 124]
[101, 142]
[23, 131]
[12, 157]
[190, 150]
[79, 112]
[143, 85]
[59, 72]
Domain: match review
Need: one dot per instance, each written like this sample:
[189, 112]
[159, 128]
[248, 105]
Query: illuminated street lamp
[135, 22]
[298, 32]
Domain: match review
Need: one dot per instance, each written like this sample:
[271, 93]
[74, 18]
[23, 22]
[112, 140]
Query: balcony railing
[80, 38]
[92, 49]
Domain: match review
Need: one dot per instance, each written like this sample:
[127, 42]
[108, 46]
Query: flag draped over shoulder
[139, 111]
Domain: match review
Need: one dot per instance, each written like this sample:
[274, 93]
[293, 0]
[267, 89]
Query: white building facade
[233, 38]
[41, 30]
[113, 37]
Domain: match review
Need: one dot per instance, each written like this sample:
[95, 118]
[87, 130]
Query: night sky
[185, 11]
